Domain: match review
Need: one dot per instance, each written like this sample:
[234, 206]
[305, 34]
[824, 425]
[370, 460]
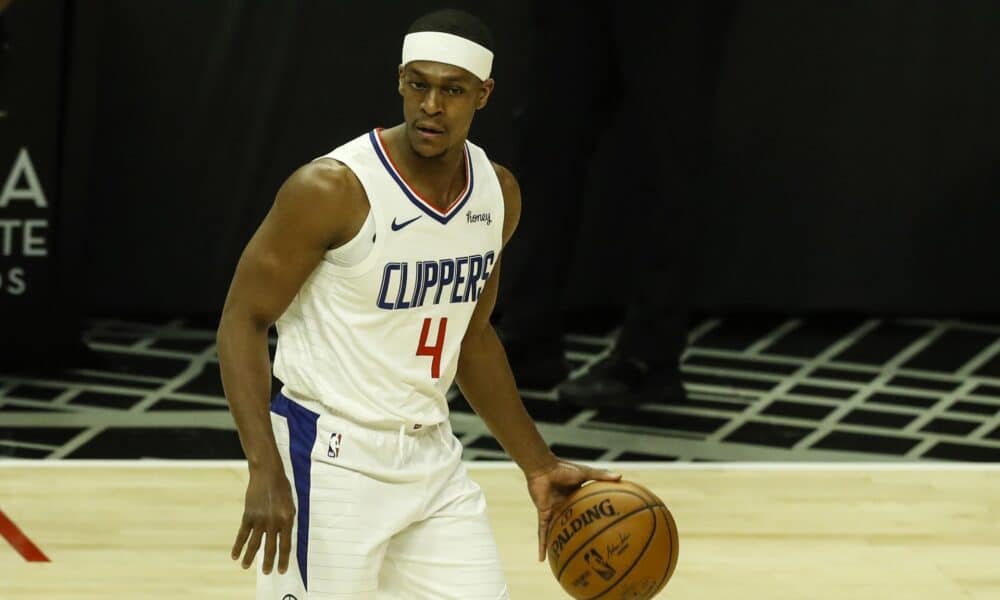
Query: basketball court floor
[796, 531]
[837, 458]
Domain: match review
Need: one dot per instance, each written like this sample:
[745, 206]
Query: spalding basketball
[612, 540]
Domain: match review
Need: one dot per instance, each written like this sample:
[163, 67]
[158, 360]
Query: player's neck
[437, 178]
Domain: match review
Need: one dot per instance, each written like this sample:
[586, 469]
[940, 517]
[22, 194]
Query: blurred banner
[853, 150]
[33, 326]
[852, 153]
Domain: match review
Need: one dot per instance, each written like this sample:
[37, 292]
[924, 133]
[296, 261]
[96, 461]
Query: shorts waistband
[396, 427]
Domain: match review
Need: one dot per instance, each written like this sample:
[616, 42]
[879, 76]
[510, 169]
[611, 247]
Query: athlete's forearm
[486, 381]
[246, 379]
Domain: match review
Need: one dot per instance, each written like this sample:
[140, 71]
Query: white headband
[450, 49]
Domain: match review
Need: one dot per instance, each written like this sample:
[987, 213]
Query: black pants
[654, 69]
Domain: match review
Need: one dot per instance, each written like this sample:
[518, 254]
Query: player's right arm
[319, 207]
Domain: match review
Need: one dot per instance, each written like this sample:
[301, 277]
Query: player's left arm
[484, 374]
[487, 382]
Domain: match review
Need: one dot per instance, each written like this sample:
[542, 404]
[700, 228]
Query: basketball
[612, 540]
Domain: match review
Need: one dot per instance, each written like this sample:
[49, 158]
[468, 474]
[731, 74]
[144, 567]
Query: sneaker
[622, 382]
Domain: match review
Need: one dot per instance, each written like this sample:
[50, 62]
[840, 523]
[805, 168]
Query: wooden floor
[796, 532]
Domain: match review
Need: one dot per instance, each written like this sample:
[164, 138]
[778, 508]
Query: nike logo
[397, 226]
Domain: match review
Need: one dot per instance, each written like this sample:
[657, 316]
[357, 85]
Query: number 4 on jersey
[433, 351]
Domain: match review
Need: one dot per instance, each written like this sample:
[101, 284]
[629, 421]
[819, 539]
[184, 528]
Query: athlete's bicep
[484, 306]
[302, 224]
[512, 216]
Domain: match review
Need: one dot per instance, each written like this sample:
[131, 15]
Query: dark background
[853, 167]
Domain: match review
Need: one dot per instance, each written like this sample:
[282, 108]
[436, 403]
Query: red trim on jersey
[412, 190]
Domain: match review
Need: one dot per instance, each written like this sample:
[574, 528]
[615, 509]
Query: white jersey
[378, 342]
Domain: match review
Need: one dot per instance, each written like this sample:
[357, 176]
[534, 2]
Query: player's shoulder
[323, 178]
[508, 183]
[326, 194]
[505, 177]
[511, 197]
[324, 184]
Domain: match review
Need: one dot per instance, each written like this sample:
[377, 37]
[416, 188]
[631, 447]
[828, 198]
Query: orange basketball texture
[612, 541]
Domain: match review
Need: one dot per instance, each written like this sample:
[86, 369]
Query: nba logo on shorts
[334, 449]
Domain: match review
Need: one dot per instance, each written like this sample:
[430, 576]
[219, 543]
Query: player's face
[439, 101]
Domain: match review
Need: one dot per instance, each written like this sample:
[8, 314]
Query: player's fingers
[284, 547]
[602, 475]
[270, 547]
[252, 548]
[241, 538]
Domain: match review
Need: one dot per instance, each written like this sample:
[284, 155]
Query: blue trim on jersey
[301, 436]
[429, 211]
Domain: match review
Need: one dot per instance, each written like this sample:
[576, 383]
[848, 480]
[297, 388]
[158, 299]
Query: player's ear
[485, 90]
[399, 87]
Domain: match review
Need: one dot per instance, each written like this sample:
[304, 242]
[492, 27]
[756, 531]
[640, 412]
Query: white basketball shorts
[380, 514]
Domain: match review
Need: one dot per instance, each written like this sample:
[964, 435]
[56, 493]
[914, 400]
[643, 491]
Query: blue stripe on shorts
[301, 436]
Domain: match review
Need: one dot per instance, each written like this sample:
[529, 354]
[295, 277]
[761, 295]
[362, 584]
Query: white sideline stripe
[498, 465]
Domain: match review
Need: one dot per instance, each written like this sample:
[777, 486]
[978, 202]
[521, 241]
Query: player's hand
[550, 487]
[269, 511]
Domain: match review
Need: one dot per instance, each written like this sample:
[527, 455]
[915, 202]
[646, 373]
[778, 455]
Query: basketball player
[379, 263]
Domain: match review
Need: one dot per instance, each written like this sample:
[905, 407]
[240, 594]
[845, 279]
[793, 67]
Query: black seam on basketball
[673, 549]
[666, 567]
[579, 500]
[599, 532]
[584, 497]
[649, 540]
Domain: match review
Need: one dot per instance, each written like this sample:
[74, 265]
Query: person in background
[653, 71]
